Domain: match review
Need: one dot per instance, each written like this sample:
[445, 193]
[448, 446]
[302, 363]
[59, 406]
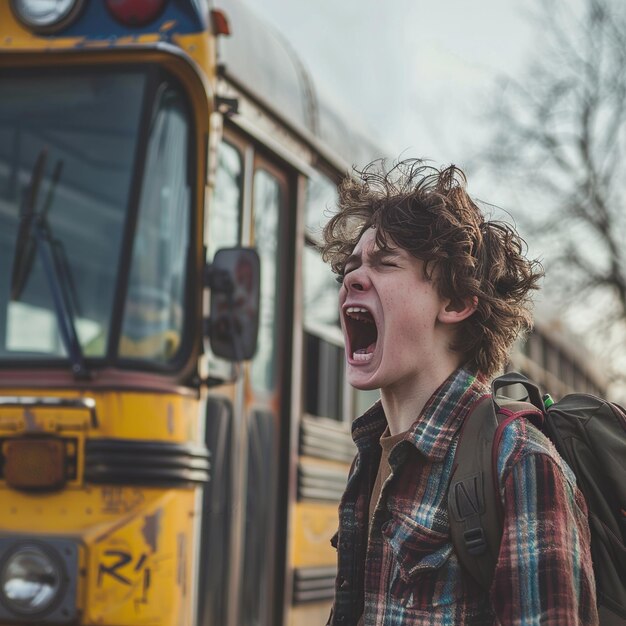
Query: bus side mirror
[233, 324]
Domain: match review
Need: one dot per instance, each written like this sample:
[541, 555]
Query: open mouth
[362, 333]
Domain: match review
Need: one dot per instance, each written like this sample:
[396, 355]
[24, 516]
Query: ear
[454, 311]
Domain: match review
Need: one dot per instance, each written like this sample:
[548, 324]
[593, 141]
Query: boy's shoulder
[520, 439]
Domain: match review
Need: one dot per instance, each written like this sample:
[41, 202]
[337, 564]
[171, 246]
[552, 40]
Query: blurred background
[528, 98]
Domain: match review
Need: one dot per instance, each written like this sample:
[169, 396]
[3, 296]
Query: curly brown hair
[428, 212]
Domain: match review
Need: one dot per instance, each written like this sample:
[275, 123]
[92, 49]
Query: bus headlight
[38, 579]
[46, 16]
[30, 580]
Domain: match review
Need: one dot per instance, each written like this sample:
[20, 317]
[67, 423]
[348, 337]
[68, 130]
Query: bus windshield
[68, 152]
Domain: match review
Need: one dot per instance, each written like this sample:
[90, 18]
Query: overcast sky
[420, 73]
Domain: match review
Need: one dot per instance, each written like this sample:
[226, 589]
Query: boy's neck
[404, 403]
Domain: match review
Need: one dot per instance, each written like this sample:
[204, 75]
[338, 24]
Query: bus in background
[155, 469]
[558, 361]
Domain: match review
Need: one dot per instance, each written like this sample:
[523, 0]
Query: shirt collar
[433, 431]
[367, 429]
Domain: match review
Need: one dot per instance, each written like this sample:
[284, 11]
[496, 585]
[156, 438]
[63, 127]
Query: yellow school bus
[161, 462]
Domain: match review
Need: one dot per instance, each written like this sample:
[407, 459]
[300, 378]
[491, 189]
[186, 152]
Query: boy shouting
[432, 297]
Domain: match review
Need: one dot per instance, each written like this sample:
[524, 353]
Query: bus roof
[262, 62]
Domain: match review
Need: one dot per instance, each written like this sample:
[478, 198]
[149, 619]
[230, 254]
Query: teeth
[362, 356]
[359, 313]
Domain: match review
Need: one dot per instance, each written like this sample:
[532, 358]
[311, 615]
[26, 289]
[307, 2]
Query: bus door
[267, 410]
[251, 205]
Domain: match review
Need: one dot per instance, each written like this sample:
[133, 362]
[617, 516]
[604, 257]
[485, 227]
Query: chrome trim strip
[323, 438]
[321, 483]
[314, 584]
[51, 402]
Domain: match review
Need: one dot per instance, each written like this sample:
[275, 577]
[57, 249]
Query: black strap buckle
[475, 541]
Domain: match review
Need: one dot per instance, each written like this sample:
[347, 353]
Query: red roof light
[135, 12]
[220, 22]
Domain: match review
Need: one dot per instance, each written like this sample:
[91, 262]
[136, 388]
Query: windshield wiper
[25, 245]
[35, 236]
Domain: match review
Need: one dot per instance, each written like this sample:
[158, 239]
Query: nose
[357, 280]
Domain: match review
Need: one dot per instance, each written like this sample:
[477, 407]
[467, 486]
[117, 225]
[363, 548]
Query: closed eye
[385, 258]
[388, 264]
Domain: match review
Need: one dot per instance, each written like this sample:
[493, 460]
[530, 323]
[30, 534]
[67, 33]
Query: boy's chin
[361, 384]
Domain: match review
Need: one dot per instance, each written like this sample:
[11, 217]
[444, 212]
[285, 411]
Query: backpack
[590, 435]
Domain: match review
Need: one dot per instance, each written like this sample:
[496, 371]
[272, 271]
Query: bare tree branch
[561, 134]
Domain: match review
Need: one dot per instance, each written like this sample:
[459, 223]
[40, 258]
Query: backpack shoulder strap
[474, 504]
[475, 524]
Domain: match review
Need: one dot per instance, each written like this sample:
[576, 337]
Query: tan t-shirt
[387, 444]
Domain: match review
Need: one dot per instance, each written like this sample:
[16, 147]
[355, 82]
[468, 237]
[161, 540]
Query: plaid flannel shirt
[406, 572]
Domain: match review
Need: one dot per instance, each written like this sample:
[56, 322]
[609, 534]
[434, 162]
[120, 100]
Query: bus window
[321, 291]
[225, 216]
[320, 286]
[323, 392]
[81, 127]
[153, 314]
[267, 200]
[321, 203]
[324, 355]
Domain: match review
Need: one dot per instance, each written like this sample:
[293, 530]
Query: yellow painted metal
[123, 414]
[314, 525]
[137, 543]
[140, 565]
